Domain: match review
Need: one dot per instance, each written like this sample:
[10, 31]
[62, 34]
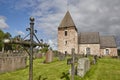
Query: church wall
[94, 49]
[66, 43]
[112, 52]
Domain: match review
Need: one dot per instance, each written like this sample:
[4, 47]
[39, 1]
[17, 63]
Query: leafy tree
[2, 37]
[44, 50]
[7, 35]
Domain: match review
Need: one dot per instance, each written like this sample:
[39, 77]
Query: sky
[89, 16]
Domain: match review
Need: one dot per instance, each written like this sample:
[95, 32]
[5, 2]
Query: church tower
[67, 35]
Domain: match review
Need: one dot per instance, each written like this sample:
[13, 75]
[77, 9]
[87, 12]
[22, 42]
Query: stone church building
[85, 42]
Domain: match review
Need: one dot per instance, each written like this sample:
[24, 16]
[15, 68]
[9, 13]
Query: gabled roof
[107, 42]
[67, 21]
[89, 38]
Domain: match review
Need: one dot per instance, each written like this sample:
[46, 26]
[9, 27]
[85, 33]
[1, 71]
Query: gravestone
[83, 66]
[49, 56]
[38, 55]
[61, 56]
[94, 59]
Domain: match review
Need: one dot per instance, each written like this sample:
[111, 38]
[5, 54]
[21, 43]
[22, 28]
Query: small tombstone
[95, 59]
[38, 55]
[61, 56]
[49, 56]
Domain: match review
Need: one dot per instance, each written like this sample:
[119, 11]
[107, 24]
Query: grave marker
[83, 66]
[49, 56]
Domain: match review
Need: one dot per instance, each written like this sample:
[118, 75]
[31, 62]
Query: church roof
[89, 38]
[67, 21]
[107, 42]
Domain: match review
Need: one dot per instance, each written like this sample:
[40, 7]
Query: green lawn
[105, 69]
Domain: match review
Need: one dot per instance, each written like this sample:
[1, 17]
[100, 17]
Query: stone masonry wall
[71, 38]
[112, 51]
[12, 63]
[94, 49]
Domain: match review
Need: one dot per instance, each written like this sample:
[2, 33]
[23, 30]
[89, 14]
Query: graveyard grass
[105, 69]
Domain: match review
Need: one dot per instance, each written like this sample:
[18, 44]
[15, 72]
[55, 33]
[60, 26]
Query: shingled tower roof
[67, 21]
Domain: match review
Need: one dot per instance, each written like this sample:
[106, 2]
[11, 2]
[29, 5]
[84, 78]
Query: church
[84, 42]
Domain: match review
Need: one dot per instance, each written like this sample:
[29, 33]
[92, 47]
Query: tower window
[65, 42]
[65, 33]
[65, 53]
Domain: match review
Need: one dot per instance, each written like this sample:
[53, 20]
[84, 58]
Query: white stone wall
[94, 49]
[112, 52]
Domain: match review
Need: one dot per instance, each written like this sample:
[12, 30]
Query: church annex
[85, 42]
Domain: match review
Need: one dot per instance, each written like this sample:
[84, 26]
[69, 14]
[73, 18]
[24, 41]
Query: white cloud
[3, 24]
[88, 15]
[20, 33]
[53, 44]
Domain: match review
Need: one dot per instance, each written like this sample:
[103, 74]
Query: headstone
[61, 56]
[49, 56]
[38, 55]
[94, 59]
[83, 66]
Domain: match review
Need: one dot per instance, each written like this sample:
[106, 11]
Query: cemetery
[55, 70]
[66, 64]
[48, 65]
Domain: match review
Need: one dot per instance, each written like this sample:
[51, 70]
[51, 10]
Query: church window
[88, 51]
[65, 33]
[107, 51]
[65, 42]
[65, 53]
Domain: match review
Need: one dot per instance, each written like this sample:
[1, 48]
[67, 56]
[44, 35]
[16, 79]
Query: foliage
[44, 50]
[118, 52]
[2, 37]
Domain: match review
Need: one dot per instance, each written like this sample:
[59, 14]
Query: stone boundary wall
[83, 66]
[12, 63]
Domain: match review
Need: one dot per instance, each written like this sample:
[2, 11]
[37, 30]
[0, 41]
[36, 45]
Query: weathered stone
[83, 66]
[49, 56]
[12, 63]
[38, 55]
[61, 56]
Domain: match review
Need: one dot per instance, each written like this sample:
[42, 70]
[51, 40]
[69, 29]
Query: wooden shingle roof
[107, 42]
[89, 38]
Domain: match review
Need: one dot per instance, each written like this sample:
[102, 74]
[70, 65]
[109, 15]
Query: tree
[3, 36]
[1, 39]
[7, 35]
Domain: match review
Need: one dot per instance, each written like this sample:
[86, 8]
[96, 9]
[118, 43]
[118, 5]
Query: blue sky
[89, 16]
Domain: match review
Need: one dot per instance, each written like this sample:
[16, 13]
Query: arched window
[88, 51]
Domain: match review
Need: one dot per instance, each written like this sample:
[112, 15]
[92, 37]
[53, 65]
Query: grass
[105, 69]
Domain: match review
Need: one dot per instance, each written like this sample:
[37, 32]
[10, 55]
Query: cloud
[3, 24]
[89, 15]
[53, 44]
[20, 33]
